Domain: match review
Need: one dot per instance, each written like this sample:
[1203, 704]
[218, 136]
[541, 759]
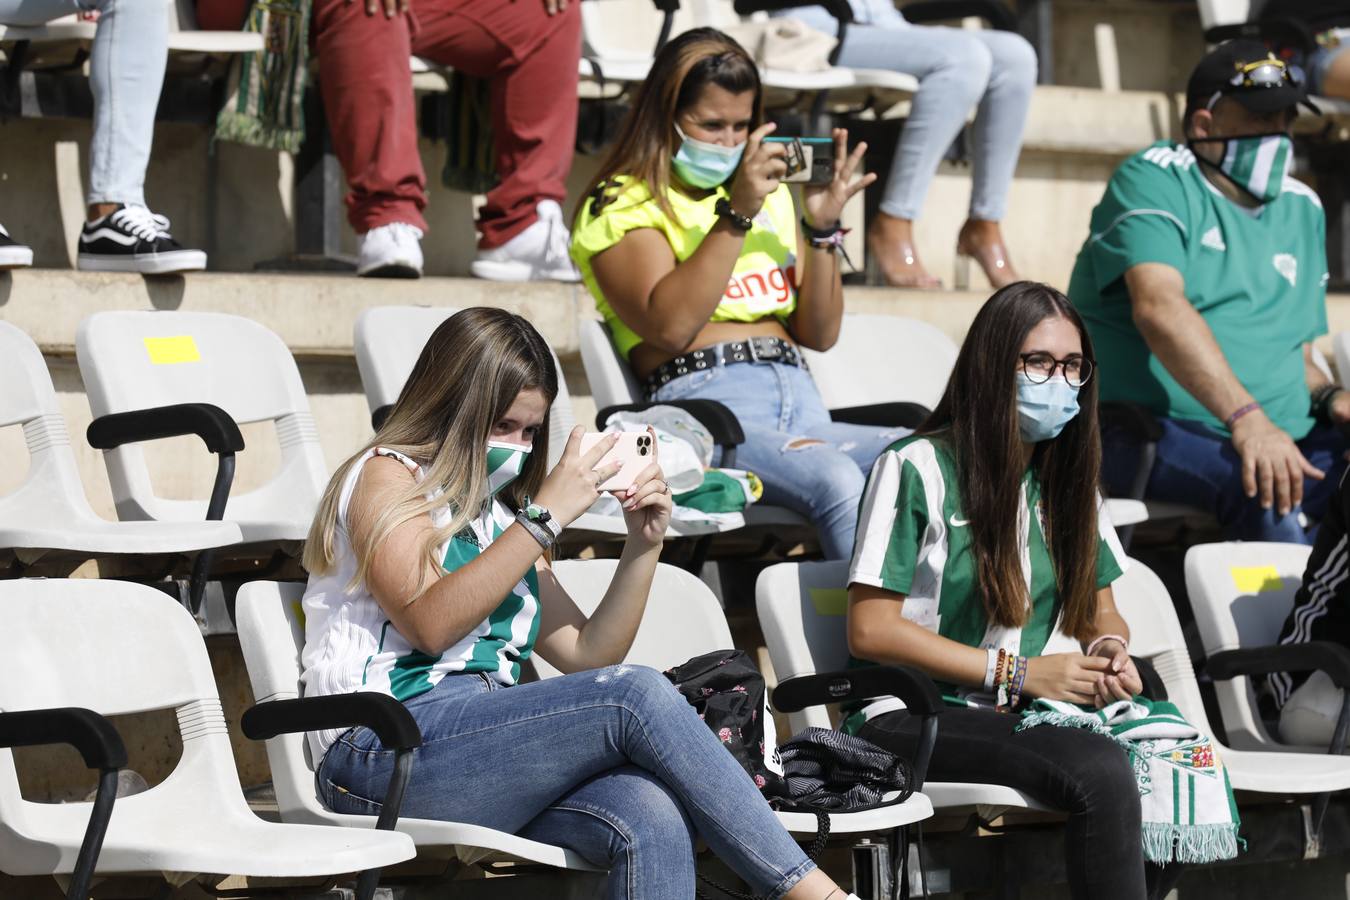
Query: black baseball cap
[1249, 73]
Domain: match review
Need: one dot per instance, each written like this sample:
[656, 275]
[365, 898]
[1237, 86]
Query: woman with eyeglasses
[985, 558]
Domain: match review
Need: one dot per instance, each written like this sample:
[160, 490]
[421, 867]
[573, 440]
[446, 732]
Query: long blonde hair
[470, 372]
[647, 139]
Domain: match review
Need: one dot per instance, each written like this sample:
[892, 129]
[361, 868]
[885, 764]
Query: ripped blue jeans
[612, 763]
[807, 462]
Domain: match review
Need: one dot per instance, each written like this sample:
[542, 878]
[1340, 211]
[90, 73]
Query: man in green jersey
[1203, 284]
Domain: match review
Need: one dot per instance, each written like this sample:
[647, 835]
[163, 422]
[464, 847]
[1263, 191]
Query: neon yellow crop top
[763, 283]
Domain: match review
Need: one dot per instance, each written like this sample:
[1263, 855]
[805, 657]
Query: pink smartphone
[635, 450]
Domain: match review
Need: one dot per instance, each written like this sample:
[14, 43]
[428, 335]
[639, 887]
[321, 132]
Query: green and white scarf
[266, 92]
[1189, 812]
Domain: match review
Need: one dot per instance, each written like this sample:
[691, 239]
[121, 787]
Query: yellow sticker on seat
[166, 351]
[830, 601]
[1256, 579]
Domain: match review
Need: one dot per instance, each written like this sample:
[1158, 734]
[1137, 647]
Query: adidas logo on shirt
[1213, 239]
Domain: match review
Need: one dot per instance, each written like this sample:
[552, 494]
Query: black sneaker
[133, 239]
[13, 255]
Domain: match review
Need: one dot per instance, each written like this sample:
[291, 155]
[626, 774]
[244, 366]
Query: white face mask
[504, 463]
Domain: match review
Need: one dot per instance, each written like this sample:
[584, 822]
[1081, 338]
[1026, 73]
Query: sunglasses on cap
[1259, 74]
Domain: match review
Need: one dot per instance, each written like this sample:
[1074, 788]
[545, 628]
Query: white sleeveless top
[350, 644]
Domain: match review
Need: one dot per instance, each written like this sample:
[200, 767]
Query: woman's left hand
[824, 203]
[1119, 682]
[647, 504]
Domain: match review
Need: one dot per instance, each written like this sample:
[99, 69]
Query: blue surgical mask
[1044, 409]
[504, 464]
[705, 165]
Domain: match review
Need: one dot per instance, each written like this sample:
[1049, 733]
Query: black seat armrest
[720, 421]
[884, 415]
[998, 15]
[912, 686]
[101, 748]
[210, 423]
[382, 714]
[1154, 688]
[96, 739]
[1312, 656]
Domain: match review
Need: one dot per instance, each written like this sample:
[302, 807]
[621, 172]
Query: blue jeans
[807, 462]
[992, 72]
[1199, 467]
[126, 72]
[612, 763]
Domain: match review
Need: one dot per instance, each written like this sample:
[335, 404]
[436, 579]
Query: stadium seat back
[625, 30]
[388, 341]
[1155, 635]
[803, 612]
[1241, 593]
[140, 360]
[612, 381]
[115, 648]
[883, 359]
[682, 619]
[271, 625]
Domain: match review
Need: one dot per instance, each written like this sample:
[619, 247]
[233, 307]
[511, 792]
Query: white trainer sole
[495, 270]
[16, 257]
[390, 269]
[145, 264]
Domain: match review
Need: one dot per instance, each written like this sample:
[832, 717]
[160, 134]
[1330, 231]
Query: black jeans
[1081, 773]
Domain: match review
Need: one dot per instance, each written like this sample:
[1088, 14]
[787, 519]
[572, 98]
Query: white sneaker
[538, 253]
[391, 251]
[13, 255]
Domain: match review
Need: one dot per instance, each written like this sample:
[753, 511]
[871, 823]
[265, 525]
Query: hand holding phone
[635, 450]
[810, 160]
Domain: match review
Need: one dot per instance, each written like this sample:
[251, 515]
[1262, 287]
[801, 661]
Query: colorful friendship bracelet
[1239, 413]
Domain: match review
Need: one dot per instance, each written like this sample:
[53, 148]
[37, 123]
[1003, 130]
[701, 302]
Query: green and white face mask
[1257, 164]
[504, 464]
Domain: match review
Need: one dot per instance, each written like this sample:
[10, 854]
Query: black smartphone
[810, 160]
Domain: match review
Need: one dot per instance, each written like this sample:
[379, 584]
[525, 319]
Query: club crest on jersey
[767, 288]
[1287, 265]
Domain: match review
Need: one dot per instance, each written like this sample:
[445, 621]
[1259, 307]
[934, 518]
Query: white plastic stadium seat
[683, 620]
[119, 648]
[883, 359]
[1241, 594]
[802, 610]
[613, 383]
[272, 635]
[849, 87]
[140, 360]
[618, 39]
[1155, 634]
[186, 37]
[48, 515]
[388, 341]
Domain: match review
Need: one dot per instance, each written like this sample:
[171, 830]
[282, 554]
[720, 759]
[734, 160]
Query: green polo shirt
[1258, 277]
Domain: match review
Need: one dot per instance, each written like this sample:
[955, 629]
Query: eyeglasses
[1040, 367]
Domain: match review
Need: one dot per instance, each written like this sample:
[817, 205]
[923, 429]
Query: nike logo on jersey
[1213, 239]
[958, 523]
[1287, 265]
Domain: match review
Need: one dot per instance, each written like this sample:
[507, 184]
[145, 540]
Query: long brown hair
[471, 370]
[978, 414]
[647, 138]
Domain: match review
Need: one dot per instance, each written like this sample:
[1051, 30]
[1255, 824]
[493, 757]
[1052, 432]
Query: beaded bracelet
[998, 668]
[990, 666]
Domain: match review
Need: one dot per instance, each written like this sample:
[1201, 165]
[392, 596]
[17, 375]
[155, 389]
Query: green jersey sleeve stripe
[1136, 212]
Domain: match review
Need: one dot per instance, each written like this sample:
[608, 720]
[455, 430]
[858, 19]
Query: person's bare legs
[891, 241]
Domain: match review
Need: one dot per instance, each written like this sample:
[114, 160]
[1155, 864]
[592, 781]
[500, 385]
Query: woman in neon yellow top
[690, 244]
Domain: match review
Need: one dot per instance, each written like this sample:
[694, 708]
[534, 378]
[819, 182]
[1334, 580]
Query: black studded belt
[757, 349]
